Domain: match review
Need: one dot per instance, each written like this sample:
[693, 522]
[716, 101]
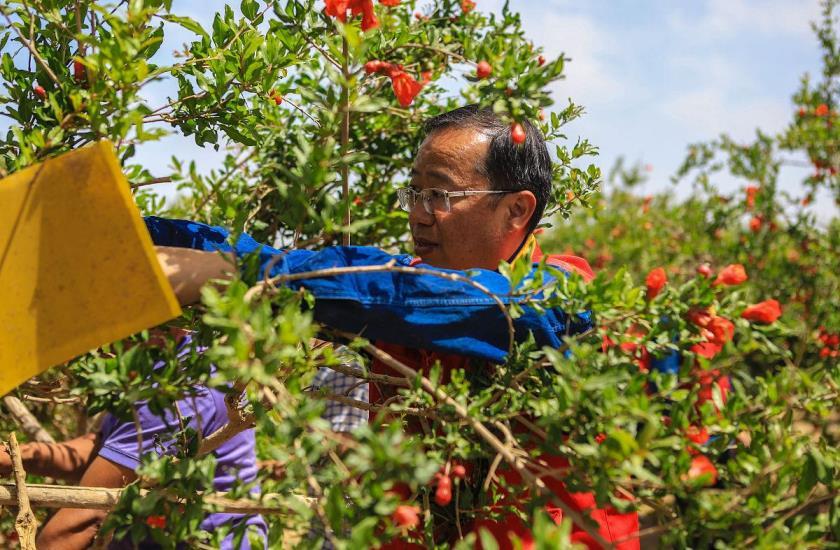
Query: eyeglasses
[435, 200]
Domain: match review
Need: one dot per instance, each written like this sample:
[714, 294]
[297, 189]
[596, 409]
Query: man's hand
[188, 270]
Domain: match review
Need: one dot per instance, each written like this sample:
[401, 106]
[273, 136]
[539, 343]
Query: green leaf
[186, 22]
[807, 478]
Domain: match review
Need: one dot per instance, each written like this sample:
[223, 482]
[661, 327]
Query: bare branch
[101, 498]
[26, 525]
[26, 420]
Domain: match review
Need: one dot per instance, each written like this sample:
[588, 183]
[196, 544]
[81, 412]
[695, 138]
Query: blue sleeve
[415, 310]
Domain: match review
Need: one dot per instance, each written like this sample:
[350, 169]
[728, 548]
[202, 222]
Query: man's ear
[520, 208]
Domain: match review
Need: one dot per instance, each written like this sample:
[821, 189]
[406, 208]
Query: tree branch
[26, 525]
[345, 136]
[26, 420]
[101, 498]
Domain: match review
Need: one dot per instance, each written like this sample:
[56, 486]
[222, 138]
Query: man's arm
[413, 309]
[75, 528]
[188, 270]
[67, 460]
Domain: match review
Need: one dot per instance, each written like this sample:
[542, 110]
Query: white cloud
[590, 75]
[728, 18]
[706, 112]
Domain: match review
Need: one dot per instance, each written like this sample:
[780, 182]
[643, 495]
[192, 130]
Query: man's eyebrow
[434, 173]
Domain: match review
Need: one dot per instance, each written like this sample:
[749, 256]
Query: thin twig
[356, 372]
[26, 525]
[153, 181]
[31, 47]
[26, 420]
[345, 136]
[365, 406]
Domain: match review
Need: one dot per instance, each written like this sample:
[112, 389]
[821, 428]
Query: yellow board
[77, 266]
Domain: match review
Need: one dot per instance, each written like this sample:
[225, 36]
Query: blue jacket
[414, 310]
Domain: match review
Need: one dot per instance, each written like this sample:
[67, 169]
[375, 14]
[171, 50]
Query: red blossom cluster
[467, 6]
[830, 342]
[405, 86]
[821, 110]
[338, 9]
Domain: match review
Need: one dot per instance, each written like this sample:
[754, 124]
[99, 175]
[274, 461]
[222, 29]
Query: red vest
[613, 525]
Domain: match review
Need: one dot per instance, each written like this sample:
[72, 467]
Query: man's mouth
[422, 247]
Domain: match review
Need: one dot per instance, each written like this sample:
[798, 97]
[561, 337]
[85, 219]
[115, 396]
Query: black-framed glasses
[436, 200]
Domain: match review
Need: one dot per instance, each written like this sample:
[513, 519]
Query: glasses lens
[406, 198]
[435, 200]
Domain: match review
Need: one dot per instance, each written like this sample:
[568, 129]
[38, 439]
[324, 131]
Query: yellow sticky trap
[77, 266]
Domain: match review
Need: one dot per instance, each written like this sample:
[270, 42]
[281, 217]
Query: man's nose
[418, 215]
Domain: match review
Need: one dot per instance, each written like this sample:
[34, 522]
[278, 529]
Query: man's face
[474, 233]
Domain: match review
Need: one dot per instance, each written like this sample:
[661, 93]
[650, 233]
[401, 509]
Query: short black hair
[508, 166]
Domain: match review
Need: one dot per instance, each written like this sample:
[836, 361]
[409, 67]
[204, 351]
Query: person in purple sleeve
[109, 458]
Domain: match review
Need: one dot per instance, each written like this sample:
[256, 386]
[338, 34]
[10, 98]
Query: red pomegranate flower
[733, 274]
[406, 516]
[722, 330]
[443, 492]
[763, 312]
[698, 316]
[156, 522]
[821, 110]
[706, 349]
[517, 133]
[405, 87]
[655, 281]
[338, 9]
[483, 69]
[752, 191]
[702, 470]
[467, 6]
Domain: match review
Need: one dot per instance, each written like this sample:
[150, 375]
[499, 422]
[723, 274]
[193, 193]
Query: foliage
[272, 86]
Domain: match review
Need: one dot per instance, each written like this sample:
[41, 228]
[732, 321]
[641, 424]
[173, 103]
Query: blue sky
[653, 75]
[657, 75]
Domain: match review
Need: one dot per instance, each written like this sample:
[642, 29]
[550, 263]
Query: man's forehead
[451, 151]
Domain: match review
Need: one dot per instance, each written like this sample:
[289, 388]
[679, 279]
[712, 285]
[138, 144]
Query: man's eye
[437, 193]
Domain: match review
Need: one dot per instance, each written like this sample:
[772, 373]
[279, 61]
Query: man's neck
[525, 240]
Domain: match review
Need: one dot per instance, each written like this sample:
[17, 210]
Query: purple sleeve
[120, 441]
